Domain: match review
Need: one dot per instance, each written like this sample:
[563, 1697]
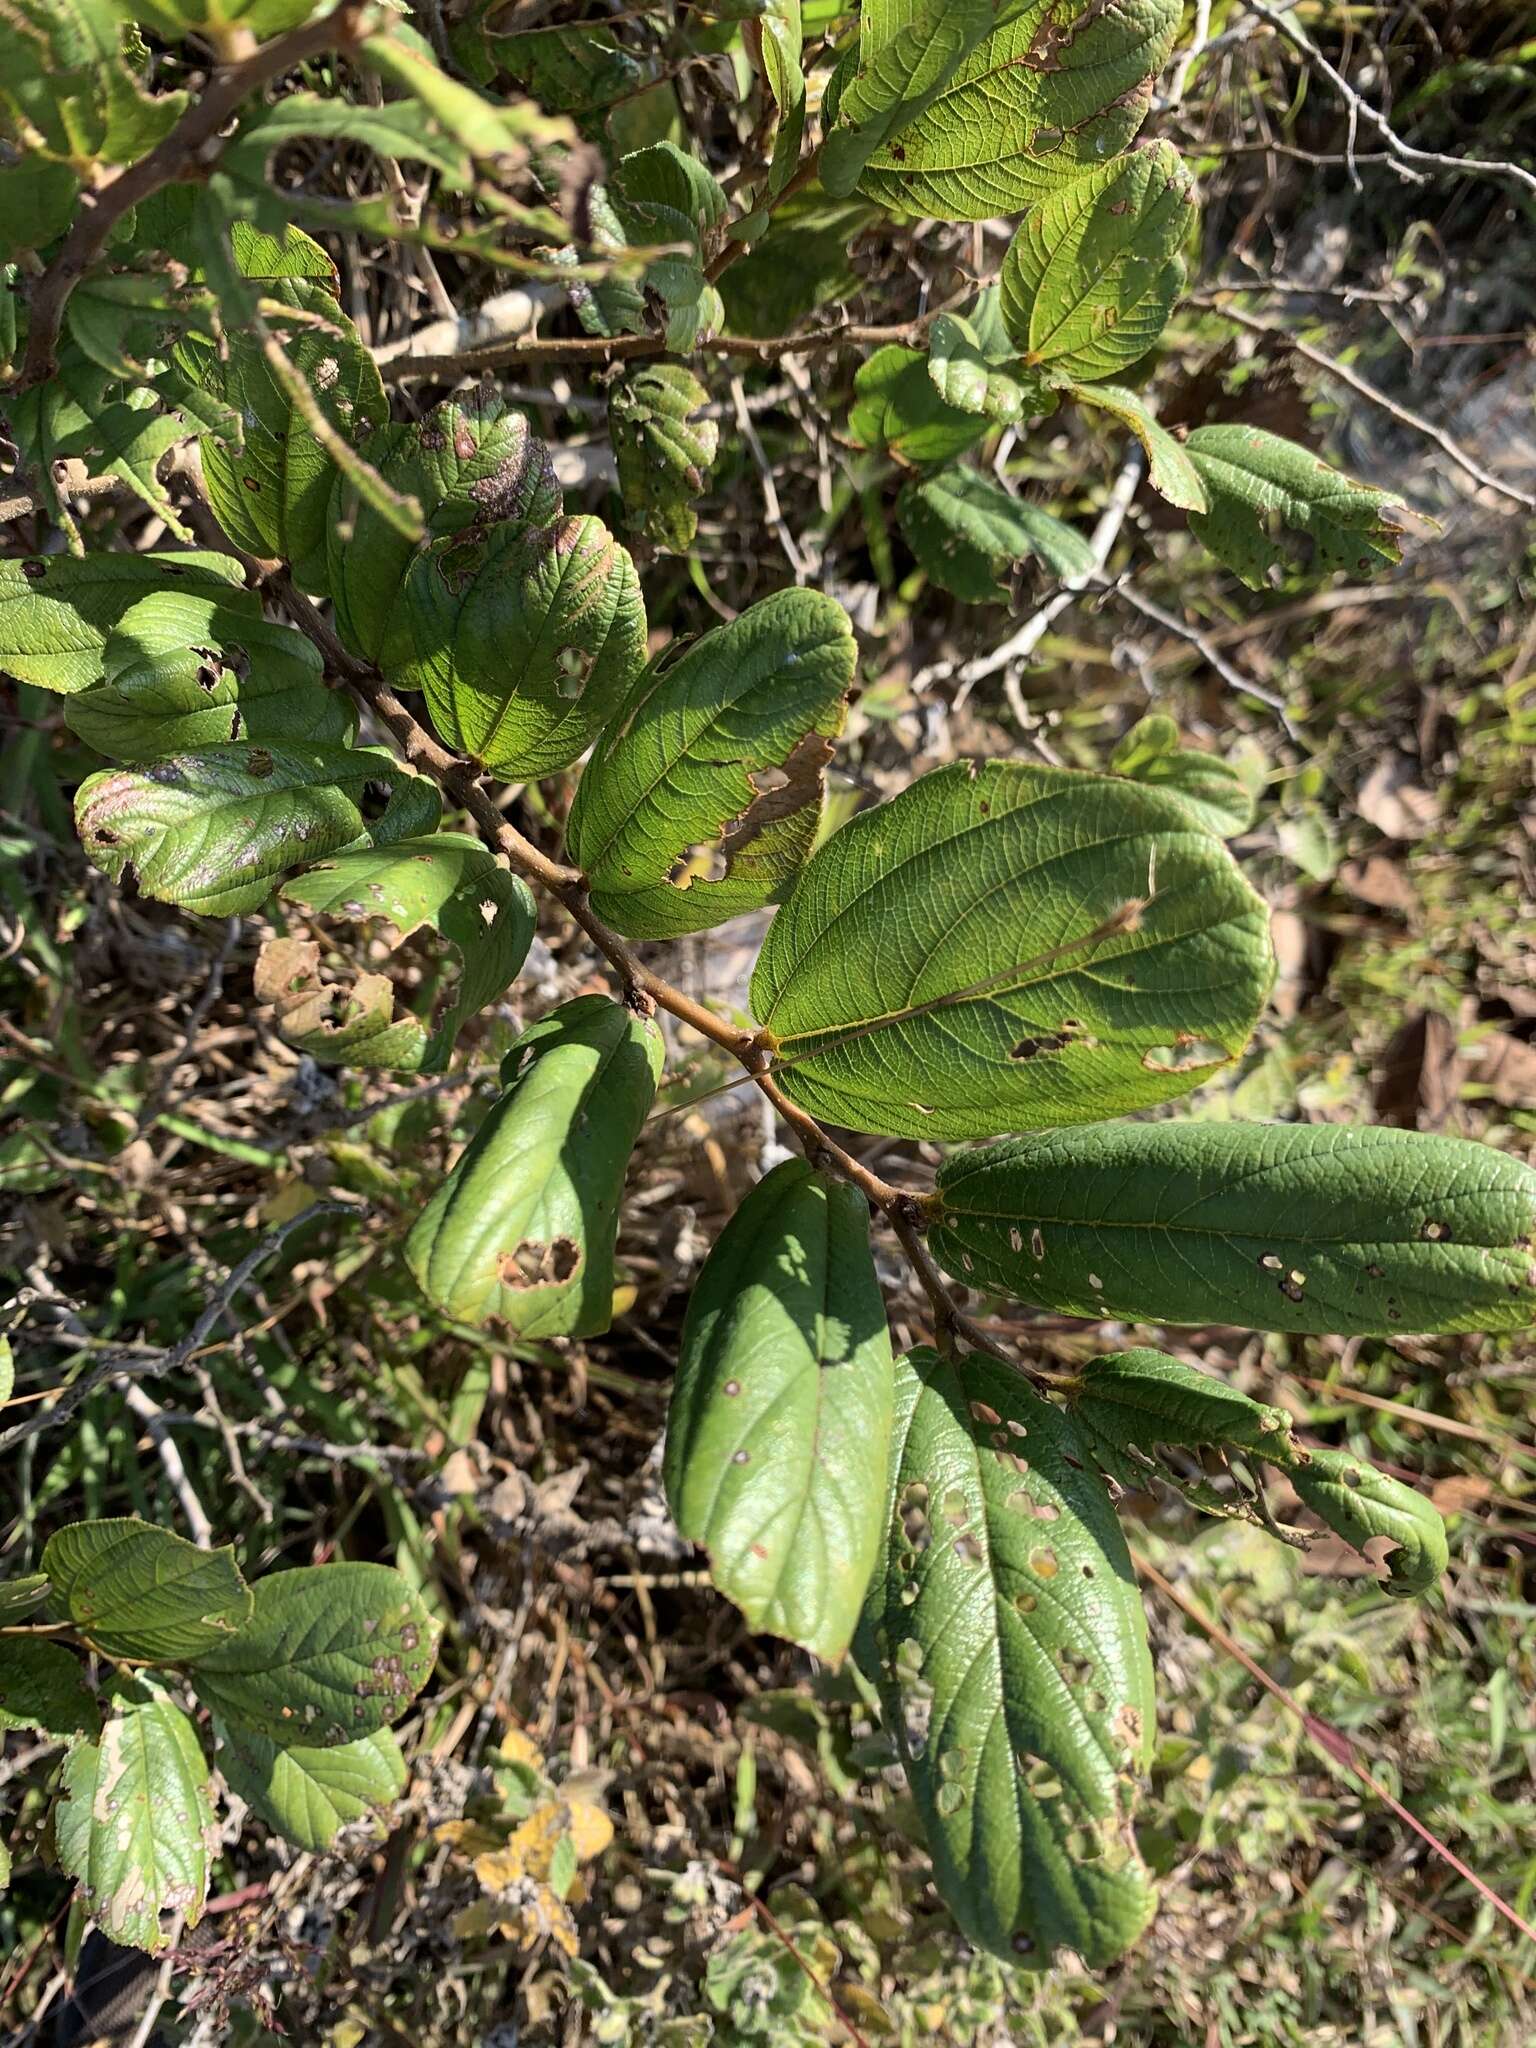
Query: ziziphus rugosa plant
[999, 949]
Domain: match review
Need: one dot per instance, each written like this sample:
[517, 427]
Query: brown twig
[189, 147]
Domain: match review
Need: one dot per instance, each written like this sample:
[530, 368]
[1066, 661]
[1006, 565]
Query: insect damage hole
[533, 1264]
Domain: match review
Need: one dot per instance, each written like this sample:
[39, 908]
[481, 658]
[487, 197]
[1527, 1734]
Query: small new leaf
[1171, 472]
[140, 1592]
[778, 1436]
[1203, 783]
[704, 795]
[1361, 1504]
[1310, 1227]
[1006, 1635]
[664, 454]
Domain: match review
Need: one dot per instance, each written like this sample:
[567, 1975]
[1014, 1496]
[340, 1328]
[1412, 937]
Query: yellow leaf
[591, 1829]
[470, 1837]
[519, 1748]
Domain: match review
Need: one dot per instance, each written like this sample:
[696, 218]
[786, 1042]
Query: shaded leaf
[966, 531]
[448, 884]
[1203, 783]
[704, 795]
[80, 415]
[331, 1653]
[214, 828]
[69, 80]
[140, 1592]
[1361, 1504]
[658, 197]
[778, 1437]
[572, 68]
[1258, 484]
[1278, 1226]
[1131, 1401]
[896, 409]
[985, 951]
[20, 1597]
[136, 1826]
[57, 614]
[1006, 1635]
[42, 1686]
[664, 454]
[307, 1795]
[522, 1231]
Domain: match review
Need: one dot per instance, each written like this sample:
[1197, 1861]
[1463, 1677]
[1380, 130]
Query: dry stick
[1362, 110]
[191, 145]
[1329, 1739]
[152, 1416]
[1356, 382]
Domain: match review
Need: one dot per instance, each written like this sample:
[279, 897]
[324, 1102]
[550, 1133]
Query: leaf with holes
[272, 497]
[1203, 783]
[907, 52]
[136, 1826]
[140, 1592]
[664, 454]
[524, 640]
[1056, 87]
[1006, 1635]
[184, 669]
[57, 613]
[213, 829]
[778, 1436]
[1259, 485]
[308, 1795]
[661, 197]
[1362, 1505]
[1003, 946]
[897, 411]
[966, 531]
[448, 884]
[704, 795]
[473, 466]
[1312, 1227]
[1129, 1402]
[1093, 271]
[43, 1686]
[522, 1231]
[331, 1653]
[1171, 472]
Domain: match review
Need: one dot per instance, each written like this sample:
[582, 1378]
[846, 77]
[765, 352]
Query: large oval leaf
[1003, 946]
[140, 1592]
[470, 463]
[136, 1826]
[1280, 1226]
[1093, 271]
[1006, 1634]
[524, 641]
[522, 1231]
[1059, 86]
[908, 50]
[184, 669]
[331, 1652]
[778, 1438]
[703, 797]
[448, 884]
[213, 829]
[1361, 1504]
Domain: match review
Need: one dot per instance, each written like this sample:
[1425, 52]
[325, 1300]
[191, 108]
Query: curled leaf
[1361, 1504]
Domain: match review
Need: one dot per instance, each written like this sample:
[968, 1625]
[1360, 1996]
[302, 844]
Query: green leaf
[976, 370]
[307, 1795]
[1093, 271]
[778, 1437]
[19, 1597]
[471, 463]
[1360, 1504]
[448, 884]
[7, 1370]
[273, 497]
[575, 68]
[140, 1592]
[1314, 1227]
[896, 409]
[1005, 946]
[214, 828]
[183, 668]
[69, 81]
[136, 1827]
[37, 202]
[524, 640]
[1130, 1401]
[664, 454]
[1258, 484]
[486, 129]
[704, 795]
[263, 18]
[801, 263]
[1169, 468]
[661, 196]
[522, 1231]
[42, 1686]
[1203, 783]
[776, 42]
[331, 1652]
[57, 613]
[1058, 86]
[908, 51]
[966, 530]
[1006, 1635]
[81, 415]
